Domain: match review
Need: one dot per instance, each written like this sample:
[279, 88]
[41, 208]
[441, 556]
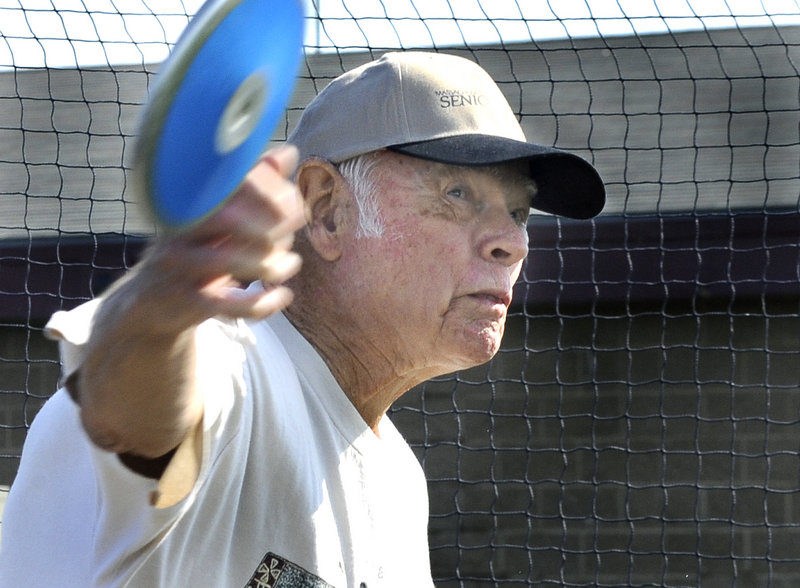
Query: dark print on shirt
[276, 572]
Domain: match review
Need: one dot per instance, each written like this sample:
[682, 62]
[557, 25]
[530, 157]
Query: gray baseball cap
[442, 108]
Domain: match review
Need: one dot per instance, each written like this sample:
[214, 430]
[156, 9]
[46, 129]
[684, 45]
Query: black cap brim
[567, 185]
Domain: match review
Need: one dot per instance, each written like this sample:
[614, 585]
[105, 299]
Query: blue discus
[215, 104]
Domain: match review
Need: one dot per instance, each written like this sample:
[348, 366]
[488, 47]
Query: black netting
[640, 426]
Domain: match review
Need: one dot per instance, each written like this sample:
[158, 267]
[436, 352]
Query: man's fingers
[282, 269]
[283, 159]
[242, 304]
[249, 238]
[259, 207]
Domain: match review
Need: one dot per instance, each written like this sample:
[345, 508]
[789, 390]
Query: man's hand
[198, 273]
[136, 387]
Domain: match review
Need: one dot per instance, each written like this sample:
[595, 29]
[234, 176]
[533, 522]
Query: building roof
[705, 121]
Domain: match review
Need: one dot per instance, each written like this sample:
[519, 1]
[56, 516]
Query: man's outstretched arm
[136, 387]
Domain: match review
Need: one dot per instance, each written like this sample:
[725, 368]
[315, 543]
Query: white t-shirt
[294, 488]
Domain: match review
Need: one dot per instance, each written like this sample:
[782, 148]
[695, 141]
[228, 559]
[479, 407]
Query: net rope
[640, 425]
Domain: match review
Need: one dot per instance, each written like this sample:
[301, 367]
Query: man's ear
[324, 192]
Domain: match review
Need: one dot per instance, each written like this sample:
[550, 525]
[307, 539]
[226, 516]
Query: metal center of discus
[241, 114]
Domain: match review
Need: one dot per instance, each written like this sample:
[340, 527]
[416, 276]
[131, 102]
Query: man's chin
[480, 347]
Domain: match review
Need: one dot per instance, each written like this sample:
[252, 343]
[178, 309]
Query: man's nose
[503, 240]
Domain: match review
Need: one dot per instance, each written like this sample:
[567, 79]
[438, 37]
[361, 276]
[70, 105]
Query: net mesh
[640, 425]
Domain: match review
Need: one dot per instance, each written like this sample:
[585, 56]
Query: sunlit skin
[136, 387]
[429, 296]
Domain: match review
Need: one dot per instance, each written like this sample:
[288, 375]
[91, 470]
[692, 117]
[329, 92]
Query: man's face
[435, 288]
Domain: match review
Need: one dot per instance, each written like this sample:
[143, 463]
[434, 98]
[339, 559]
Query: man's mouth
[493, 297]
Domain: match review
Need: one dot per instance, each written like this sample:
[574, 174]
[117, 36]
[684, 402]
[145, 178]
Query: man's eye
[456, 193]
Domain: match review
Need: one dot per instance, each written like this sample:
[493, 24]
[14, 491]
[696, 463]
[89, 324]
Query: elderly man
[213, 436]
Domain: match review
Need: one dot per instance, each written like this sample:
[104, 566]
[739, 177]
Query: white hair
[361, 174]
